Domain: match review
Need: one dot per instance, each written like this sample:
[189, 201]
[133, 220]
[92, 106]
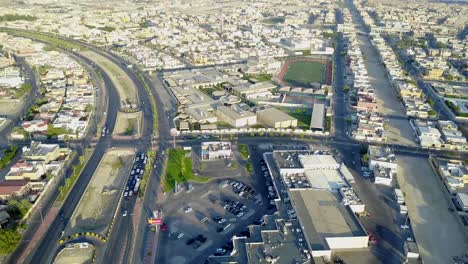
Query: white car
[188, 210]
[180, 235]
[124, 213]
[404, 227]
[240, 214]
[222, 221]
[220, 250]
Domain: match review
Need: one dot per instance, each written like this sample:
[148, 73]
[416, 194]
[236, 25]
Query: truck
[403, 209]
[399, 196]
[137, 186]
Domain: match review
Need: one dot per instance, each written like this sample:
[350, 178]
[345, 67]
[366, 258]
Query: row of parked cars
[138, 169]
[272, 195]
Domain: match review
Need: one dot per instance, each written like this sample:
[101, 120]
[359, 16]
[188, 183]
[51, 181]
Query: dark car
[201, 238]
[190, 241]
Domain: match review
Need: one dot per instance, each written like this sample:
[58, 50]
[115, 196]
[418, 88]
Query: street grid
[384, 224]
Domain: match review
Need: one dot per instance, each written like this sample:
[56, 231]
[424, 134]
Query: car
[188, 209]
[130, 193]
[220, 250]
[222, 221]
[201, 238]
[124, 213]
[190, 241]
[404, 227]
[127, 188]
[219, 229]
[125, 194]
[180, 235]
[163, 227]
[240, 214]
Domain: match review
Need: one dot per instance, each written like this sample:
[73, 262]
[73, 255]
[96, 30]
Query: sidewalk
[49, 218]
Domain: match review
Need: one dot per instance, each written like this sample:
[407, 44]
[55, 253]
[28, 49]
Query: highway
[47, 247]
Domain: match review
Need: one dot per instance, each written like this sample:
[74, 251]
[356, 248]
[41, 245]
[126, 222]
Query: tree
[9, 240]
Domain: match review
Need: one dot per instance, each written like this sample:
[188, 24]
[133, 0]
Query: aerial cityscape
[233, 131]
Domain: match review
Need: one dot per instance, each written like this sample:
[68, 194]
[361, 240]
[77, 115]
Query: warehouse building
[273, 117]
[327, 224]
[317, 121]
[236, 116]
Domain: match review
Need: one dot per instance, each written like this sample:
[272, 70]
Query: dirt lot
[96, 207]
[75, 253]
[128, 124]
[125, 86]
[10, 107]
[439, 234]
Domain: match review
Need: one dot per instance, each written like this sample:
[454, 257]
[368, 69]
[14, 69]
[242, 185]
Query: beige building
[39, 151]
[235, 116]
[273, 117]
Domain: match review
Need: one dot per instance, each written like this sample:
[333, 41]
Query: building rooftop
[288, 159]
[274, 114]
[216, 145]
[39, 149]
[325, 179]
[234, 112]
[323, 216]
[311, 161]
[318, 117]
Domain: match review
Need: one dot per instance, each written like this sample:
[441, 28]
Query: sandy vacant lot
[125, 86]
[75, 253]
[10, 107]
[126, 121]
[97, 206]
[438, 232]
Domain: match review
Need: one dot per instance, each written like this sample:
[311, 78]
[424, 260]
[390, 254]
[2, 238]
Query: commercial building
[236, 116]
[317, 121]
[326, 223]
[324, 204]
[276, 240]
[215, 150]
[273, 117]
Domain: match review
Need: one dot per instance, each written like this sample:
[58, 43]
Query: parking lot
[200, 220]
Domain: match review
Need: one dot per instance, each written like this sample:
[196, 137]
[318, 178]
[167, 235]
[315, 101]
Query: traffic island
[96, 209]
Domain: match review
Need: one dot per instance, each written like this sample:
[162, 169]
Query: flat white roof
[311, 161]
[325, 179]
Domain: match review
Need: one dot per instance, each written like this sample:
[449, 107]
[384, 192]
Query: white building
[215, 150]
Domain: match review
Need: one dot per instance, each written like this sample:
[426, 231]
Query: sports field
[302, 73]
